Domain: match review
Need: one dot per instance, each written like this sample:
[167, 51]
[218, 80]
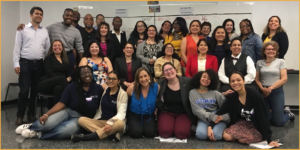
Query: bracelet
[46, 115]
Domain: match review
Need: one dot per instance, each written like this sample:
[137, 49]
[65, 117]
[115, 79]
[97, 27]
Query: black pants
[55, 85]
[136, 129]
[30, 73]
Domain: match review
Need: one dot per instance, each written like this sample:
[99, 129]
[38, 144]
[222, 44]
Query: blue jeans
[201, 131]
[60, 125]
[275, 101]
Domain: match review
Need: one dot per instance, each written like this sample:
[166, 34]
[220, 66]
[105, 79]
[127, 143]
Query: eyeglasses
[85, 73]
[128, 47]
[141, 26]
[113, 79]
[245, 26]
[176, 24]
[169, 48]
[169, 69]
[270, 49]
[117, 22]
[151, 31]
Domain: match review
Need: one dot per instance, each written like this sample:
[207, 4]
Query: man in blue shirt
[31, 46]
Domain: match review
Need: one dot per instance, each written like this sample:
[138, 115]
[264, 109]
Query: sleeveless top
[99, 71]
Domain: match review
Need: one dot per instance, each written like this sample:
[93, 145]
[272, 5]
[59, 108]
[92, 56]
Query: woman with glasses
[251, 42]
[138, 34]
[271, 75]
[126, 66]
[175, 115]
[109, 121]
[80, 98]
[274, 31]
[100, 64]
[148, 49]
[205, 30]
[228, 24]
[168, 56]
[175, 37]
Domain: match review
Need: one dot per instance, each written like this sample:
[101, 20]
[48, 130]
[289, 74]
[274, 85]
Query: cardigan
[121, 67]
[122, 101]
[254, 101]
[185, 87]
[192, 64]
[282, 40]
[161, 61]
[140, 51]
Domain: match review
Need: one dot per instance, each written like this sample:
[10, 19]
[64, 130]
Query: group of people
[105, 85]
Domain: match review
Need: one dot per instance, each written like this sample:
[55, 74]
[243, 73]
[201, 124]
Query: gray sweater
[204, 104]
[69, 35]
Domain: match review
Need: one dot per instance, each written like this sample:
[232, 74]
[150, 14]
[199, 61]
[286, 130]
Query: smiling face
[141, 27]
[274, 23]
[237, 82]
[236, 48]
[128, 50]
[195, 27]
[166, 27]
[112, 80]
[57, 47]
[117, 23]
[229, 26]
[88, 21]
[270, 52]
[37, 16]
[169, 72]
[76, 17]
[99, 19]
[68, 17]
[205, 80]
[176, 26]
[86, 75]
[94, 49]
[169, 50]
[144, 78]
[220, 35]
[202, 48]
[151, 32]
[103, 30]
[245, 28]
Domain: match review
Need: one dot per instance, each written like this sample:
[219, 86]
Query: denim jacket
[251, 46]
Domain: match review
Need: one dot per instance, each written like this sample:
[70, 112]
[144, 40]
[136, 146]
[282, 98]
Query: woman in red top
[189, 43]
[201, 61]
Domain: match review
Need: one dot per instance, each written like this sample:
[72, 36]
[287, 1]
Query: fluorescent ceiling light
[85, 7]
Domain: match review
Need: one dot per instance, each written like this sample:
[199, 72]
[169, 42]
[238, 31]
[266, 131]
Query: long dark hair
[82, 107]
[166, 21]
[108, 35]
[137, 86]
[214, 79]
[184, 30]
[156, 38]
[63, 54]
[87, 52]
[135, 33]
[214, 42]
[163, 52]
[248, 22]
[227, 20]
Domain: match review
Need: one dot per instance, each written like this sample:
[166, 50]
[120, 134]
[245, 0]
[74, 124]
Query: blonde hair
[279, 29]
[272, 43]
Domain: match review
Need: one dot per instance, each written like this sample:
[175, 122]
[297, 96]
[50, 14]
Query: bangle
[46, 115]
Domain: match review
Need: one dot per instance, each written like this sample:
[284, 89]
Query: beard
[88, 26]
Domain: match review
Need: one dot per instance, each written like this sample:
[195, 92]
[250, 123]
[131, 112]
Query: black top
[109, 105]
[220, 52]
[254, 104]
[53, 68]
[119, 45]
[282, 39]
[86, 37]
[121, 67]
[240, 65]
[173, 101]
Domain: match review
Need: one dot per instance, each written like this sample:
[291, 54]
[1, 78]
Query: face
[236, 47]
[68, 17]
[195, 28]
[103, 30]
[151, 32]
[166, 27]
[176, 26]
[86, 75]
[144, 78]
[88, 21]
[203, 48]
[229, 27]
[205, 30]
[37, 16]
[236, 82]
[169, 50]
[112, 80]
[76, 17]
[220, 35]
[274, 23]
[94, 49]
[205, 80]
[100, 19]
[128, 50]
[117, 23]
[141, 27]
[57, 47]
[270, 51]
[169, 72]
[245, 28]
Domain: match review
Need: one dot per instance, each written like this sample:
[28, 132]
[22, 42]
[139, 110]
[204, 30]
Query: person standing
[118, 37]
[76, 19]
[31, 45]
[99, 18]
[88, 32]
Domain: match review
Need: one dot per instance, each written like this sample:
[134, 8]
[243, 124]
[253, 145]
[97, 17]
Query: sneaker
[76, 137]
[20, 128]
[115, 137]
[289, 112]
[28, 133]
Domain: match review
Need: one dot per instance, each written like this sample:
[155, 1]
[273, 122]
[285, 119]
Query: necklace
[203, 88]
[177, 36]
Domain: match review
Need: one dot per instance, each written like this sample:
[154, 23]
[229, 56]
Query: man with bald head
[88, 32]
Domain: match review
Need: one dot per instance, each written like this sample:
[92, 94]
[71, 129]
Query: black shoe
[76, 137]
[115, 137]
[19, 121]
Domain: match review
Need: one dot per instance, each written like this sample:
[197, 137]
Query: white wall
[10, 16]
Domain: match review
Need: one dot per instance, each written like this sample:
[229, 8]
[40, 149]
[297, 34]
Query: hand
[155, 112]
[139, 41]
[265, 92]
[20, 27]
[227, 92]
[126, 83]
[69, 79]
[151, 61]
[218, 119]
[107, 128]
[210, 134]
[43, 119]
[273, 143]
[17, 70]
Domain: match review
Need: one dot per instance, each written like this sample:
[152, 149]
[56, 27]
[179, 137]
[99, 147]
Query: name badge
[88, 99]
